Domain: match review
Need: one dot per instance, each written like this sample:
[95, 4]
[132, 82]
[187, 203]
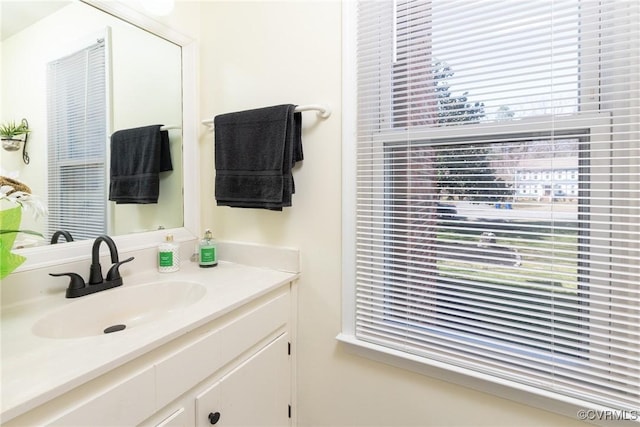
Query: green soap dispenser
[168, 256]
[208, 250]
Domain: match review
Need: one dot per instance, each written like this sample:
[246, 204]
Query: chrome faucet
[77, 286]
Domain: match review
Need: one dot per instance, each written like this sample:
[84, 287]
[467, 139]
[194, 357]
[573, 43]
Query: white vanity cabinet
[238, 368]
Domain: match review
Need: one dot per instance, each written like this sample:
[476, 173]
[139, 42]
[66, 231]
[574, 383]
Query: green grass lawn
[548, 257]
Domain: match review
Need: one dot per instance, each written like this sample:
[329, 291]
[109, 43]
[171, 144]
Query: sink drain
[114, 328]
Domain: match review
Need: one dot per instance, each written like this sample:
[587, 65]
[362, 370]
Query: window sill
[530, 396]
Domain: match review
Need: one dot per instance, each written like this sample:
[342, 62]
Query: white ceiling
[16, 15]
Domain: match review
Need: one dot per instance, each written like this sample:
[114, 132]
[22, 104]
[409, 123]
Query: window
[77, 139]
[496, 194]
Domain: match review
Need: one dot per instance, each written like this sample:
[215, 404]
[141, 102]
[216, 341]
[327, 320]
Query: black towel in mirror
[138, 155]
[255, 151]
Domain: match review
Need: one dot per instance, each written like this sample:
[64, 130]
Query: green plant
[10, 130]
[18, 196]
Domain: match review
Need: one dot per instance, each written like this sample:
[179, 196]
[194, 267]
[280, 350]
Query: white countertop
[34, 369]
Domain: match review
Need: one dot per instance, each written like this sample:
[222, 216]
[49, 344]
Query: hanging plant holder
[11, 144]
[17, 138]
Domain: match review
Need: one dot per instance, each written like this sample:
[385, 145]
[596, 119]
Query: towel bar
[323, 112]
[168, 127]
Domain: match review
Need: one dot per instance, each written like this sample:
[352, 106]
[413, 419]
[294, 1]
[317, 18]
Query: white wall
[269, 52]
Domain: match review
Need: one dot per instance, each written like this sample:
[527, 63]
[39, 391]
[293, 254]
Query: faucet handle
[114, 271]
[76, 282]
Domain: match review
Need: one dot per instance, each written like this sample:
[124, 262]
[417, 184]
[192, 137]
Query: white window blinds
[77, 138]
[498, 191]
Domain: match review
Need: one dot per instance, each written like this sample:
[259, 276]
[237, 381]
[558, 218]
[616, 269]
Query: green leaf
[9, 224]
[8, 261]
[33, 233]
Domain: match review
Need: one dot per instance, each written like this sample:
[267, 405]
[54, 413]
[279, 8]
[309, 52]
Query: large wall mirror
[150, 79]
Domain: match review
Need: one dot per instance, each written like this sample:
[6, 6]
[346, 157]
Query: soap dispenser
[168, 256]
[208, 250]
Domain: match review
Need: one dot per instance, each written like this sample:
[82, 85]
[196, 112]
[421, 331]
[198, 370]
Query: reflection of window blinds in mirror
[77, 134]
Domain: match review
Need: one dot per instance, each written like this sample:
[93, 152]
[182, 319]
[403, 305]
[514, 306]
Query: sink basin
[116, 310]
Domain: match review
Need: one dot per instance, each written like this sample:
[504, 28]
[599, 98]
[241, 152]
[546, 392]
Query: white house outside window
[497, 194]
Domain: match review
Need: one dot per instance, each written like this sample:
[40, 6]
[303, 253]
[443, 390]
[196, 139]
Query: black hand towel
[137, 157]
[255, 152]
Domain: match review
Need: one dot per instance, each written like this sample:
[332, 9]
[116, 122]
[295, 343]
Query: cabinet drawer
[193, 363]
[247, 331]
[125, 403]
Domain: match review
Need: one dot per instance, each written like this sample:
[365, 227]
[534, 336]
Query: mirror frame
[44, 256]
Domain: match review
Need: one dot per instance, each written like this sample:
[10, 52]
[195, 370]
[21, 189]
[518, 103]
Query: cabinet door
[256, 393]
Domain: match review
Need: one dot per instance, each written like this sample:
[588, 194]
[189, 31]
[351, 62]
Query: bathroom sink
[119, 309]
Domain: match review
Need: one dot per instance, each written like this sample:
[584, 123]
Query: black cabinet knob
[214, 417]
